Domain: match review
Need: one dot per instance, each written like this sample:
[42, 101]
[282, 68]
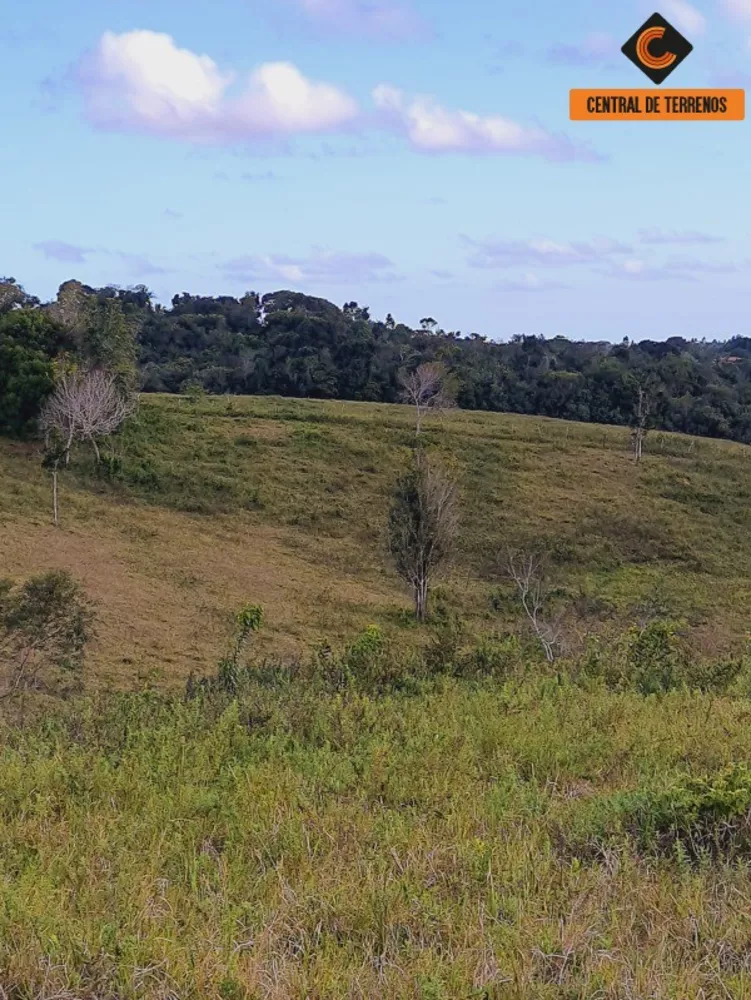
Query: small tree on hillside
[643, 390]
[53, 457]
[423, 525]
[44, 627]
[85, 406]
[428, 388]
[528, 572]
[639, 424]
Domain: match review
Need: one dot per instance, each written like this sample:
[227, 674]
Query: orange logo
[645, 56]
[657, 48]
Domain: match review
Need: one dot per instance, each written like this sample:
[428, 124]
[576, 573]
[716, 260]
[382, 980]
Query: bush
[44, 627]
[694, 817]
[654, 659]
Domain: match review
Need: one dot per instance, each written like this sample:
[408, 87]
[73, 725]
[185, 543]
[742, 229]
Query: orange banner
[658, 105]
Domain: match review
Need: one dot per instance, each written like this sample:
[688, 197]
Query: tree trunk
[54, 498]
[95, 446]
[421, 600]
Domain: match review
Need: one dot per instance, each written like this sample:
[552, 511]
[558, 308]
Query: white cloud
[541, 253]
[685, 16]
[141, 81]
[431, 128]
[321, 265]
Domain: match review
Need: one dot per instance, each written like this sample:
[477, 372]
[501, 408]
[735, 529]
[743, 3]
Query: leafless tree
[528, 572]
[639, 422]
[428, 389]
[86, 405]
[423, 525]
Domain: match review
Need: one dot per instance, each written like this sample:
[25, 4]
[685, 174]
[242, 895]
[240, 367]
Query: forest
[290, 344]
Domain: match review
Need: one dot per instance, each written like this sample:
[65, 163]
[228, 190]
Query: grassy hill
[212, 502]
[537, 834]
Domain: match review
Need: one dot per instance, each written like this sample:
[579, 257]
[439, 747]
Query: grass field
[380, 822]
[283, 503]
[421, 847]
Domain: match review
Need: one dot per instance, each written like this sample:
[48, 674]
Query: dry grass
[283, 503]
[166, 583]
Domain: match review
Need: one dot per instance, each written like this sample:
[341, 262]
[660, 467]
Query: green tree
[423, 524]
[29, 341]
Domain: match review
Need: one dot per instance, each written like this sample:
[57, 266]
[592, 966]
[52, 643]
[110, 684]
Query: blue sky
[415, 156]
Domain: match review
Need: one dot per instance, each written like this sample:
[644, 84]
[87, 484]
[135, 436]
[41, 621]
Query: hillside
[461, 822]
[213, 501]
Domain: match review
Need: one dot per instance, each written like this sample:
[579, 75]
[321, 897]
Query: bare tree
[528, 572]
[54, 454]
[86, 405]
[639, 423]
[428, 389]
[423, 525]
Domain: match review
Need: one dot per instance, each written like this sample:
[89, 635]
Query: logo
[657, 48]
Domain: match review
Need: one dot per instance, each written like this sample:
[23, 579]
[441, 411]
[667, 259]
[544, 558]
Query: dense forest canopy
[292, 344]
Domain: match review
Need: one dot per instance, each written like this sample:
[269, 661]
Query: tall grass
[300, 843]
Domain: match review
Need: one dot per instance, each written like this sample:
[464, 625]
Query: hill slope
[213, 502]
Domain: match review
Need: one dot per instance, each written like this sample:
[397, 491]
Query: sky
[415, 156]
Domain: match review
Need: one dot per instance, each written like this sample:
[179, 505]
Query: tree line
[291, 344]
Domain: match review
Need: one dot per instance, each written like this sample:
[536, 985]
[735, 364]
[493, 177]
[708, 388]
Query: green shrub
[45, 624]
[694, 817]
[654, 659]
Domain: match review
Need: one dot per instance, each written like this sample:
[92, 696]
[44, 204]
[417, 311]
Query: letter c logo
[645, 57]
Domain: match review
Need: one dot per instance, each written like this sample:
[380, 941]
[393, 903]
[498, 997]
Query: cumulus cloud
[431, 128]
[684, 237]
[68, 253]
[541, 253]
[320, 266]
[685, 16]
[594, 50]
[377, 18]
[140, 81]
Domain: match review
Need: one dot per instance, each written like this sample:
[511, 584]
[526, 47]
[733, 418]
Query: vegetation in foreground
[514, 836]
